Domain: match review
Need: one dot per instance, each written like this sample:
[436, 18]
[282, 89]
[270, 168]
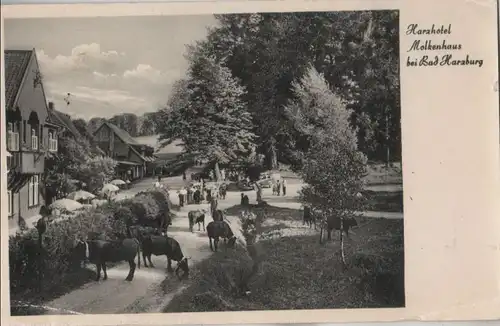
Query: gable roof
[16, 64]
[122, 134]
[64, 120]
[126, 138]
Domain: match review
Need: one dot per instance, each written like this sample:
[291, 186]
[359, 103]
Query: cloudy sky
[109, 65]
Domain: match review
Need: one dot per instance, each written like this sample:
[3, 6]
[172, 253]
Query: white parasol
[118, 182]
[108, 188]
[81, 195]
[66, 204]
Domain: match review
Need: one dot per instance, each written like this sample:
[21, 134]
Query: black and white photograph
[204, 163]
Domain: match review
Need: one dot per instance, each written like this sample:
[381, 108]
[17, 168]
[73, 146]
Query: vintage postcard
[250, 162]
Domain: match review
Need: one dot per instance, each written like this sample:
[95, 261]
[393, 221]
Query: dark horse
[162, 245]
[101, 251]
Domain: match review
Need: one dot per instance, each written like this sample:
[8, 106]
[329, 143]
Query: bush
[147, 208]
[29, 262]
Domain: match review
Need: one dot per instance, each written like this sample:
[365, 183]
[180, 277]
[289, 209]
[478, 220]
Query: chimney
[51, 105]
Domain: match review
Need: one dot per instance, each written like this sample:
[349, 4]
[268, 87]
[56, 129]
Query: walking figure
[197, 196]
[278, 188]
[284, 187]
[213, 205]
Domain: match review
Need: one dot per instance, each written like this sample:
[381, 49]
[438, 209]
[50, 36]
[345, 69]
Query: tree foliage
[95, 123]
[77, 163]
[81, 126]
[358, 53]
[334, 168]
[207, 112]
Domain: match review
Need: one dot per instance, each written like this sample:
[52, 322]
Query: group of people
[195, 194]
[279, 187]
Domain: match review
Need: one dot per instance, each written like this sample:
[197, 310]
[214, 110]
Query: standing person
[284, 187]
[159, 177]
[189, 194]
[213, 205]
[184, 175]
[197, 196]
[183, 194]
[278, 187]
[209, 195]
[181, 198]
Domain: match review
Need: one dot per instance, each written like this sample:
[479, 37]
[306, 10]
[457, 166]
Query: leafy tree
[95, 123]
[334, 169]
[358, 53]
[76, 163]
[207, 112]
[126, 121]
[81, 126]
[147, 124]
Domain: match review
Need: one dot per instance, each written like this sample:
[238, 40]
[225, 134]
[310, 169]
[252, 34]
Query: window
[34, 139]
[52, 142]
[10, 162]
[12, 138]
[33, 191]
[9, 203]
[36, 190]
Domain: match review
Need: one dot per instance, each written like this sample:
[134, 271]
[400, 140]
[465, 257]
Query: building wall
[20, 204]
[31, 98]
[112, 144]
[121, 149]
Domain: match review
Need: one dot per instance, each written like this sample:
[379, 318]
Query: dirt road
[118, 296]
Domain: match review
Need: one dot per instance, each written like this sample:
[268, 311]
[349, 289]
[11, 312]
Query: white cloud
[103, 82]
[112, 97]
[101, 76]
[83, 56]
[145, 72]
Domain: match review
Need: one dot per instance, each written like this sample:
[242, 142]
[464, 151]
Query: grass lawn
[384, 201]
[53, 289]
[378, 173]
[298, 273]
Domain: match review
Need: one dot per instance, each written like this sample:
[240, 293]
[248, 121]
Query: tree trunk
[272, 156]
[258, 193]
[217, 172]
[342, 254]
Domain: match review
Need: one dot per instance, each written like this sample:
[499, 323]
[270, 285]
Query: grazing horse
[101, 251]
[309, 218]
[162, 245]
[196, 217]
[334, 222]
[216, 229]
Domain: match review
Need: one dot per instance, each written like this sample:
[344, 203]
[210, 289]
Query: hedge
[52, 264]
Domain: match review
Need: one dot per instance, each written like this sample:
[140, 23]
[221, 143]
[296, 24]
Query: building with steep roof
[134, 160]
[31, 134]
